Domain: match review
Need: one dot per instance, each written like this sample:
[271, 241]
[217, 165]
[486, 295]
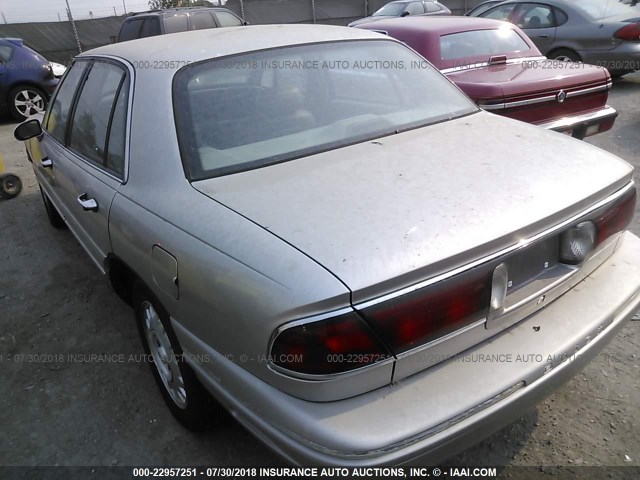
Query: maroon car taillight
[335, 345]
[629, 32]
[419, 317]
[616, 217]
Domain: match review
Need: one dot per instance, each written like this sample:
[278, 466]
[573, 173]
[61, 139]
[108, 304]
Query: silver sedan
[599, 32]
[302, 235]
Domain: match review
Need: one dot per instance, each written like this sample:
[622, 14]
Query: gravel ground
[55, 306]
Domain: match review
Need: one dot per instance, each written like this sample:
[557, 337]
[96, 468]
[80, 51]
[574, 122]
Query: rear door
[95, 153]
[81, 159]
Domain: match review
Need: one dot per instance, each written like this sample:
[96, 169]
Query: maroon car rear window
[481, 43]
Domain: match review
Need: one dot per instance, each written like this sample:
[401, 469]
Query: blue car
[27, 79]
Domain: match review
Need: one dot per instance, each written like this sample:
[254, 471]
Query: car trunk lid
[385, 214]
[536, 91]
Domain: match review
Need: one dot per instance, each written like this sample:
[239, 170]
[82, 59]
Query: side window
[150, 27]
[202, 20]
[226, 19]
[118, 132]
[93, 111]
[58, 114]
[500, 12]
[561, 17]
[175, 23]
[415, 8]
[5, 53]
[533, 15]
[130, 30]
[432, 7]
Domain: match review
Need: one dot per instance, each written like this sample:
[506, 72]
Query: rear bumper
[584, 125]
[439, 411]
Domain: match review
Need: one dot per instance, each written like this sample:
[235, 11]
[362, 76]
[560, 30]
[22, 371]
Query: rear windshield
[481, 43]
[391, 10]
[598, 9]
[266, 107]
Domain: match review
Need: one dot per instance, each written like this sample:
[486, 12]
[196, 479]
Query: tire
[26, 100]
[188, 401]
[55, 219]
[10, 185]
[565, 55]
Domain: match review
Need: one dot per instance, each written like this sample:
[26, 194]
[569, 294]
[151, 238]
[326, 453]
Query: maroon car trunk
[529, 92]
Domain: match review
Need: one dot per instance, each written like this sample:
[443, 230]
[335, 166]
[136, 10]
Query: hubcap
[163, 356]
[563, 58]
[29, 102]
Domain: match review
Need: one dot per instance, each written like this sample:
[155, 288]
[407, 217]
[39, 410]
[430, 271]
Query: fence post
[73, 25]
[242, 10]
[313, 10]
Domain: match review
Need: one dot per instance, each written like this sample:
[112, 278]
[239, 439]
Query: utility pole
[73, 25]
[125, 7]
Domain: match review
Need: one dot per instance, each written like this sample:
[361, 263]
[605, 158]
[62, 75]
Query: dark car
[403, 8]
[174, 20]
[26, 79]
[501, 70]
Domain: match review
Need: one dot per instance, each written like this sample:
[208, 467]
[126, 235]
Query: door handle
[46, 162]
[543, 36]
[87, 204]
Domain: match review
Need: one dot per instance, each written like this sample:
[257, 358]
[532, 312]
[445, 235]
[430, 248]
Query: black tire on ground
[196, 409]
[55, 219]
[26, 100]
[10, 185]
[564, 54]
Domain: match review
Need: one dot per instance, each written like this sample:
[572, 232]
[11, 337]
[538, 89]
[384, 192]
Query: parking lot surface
[73, 390]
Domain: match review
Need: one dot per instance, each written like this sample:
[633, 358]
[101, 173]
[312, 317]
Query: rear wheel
[10, 185]
[181, 390]
[25, 101]
[55, 219]
[564, 55]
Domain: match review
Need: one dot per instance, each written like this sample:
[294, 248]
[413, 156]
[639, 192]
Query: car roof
[437, 24]
[194, 46]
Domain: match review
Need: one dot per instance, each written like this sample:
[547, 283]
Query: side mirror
[245, 23]
[404, 14]
[28, 129]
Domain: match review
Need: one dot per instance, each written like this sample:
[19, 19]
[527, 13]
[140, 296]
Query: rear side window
[58, 115]
[561, 17]
[130, 30]
[432, 7]
[202, 20]
[226, 19]
[501, 12]
[5, 53]
[415, 8]
[175, 23]
[150, 28]
[94, 110]
[118, 132]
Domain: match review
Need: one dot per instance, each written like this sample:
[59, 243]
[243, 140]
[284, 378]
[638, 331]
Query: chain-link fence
[57, 40]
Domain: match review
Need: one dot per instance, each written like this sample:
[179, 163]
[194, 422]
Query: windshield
[390, 10]
[599, 9]
[481, 43]
[266, 107]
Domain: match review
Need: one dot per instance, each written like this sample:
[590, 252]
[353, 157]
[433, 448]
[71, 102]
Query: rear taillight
[629, 32]
[616, 217]
[335, 345]
[419, 317]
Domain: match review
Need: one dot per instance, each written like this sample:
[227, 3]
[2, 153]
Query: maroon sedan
[501, 69]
